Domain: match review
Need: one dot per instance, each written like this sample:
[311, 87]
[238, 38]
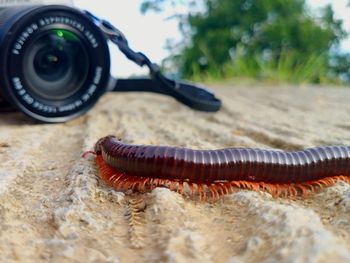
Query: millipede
[212, 173]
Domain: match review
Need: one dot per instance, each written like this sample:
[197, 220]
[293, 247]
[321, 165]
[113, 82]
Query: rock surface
[54, 208]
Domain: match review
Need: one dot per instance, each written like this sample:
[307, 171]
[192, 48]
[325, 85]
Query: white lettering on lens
[44, 108]
[49, 20]
[22, 93]
[91, 38]
[17, 83]
[61, 20]
[71, 106]
[22, 38]
[27, 98]
[98, 74]
[93, 87]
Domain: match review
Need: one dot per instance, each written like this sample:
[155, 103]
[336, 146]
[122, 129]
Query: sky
[148, 33]
[342, 11]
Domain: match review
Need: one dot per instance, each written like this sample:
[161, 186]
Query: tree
[259, 31]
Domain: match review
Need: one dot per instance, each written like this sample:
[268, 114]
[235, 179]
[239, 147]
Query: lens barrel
[54, 61]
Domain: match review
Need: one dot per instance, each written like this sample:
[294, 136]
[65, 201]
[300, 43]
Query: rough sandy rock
[53, 207]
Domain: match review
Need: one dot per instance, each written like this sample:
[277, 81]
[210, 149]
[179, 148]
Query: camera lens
[57, 64]
[54, 61]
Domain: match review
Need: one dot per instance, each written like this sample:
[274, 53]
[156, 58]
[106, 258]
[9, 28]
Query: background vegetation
[275, 40]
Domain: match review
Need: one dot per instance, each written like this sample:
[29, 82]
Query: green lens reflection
[65, 34]
[59, 33]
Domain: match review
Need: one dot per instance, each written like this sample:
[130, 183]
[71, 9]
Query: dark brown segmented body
[206, 166]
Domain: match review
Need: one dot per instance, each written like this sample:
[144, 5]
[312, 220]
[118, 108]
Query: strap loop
[189, 94]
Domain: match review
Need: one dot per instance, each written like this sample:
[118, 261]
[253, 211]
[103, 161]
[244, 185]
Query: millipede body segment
[217, 172]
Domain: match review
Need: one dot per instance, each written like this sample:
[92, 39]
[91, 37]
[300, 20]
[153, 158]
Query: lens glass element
[57, 64]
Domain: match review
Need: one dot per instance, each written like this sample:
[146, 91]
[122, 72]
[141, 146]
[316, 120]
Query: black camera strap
[193, 96]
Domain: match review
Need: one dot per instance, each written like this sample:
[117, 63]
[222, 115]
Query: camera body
[54, 60]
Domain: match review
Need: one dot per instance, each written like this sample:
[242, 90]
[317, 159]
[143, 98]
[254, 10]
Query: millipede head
[88, 153]
[99, 143]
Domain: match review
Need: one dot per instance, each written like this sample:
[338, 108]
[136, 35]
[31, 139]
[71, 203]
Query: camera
[55, 63]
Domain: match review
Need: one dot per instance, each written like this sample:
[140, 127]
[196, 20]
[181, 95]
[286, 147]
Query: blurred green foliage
[270, 39]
